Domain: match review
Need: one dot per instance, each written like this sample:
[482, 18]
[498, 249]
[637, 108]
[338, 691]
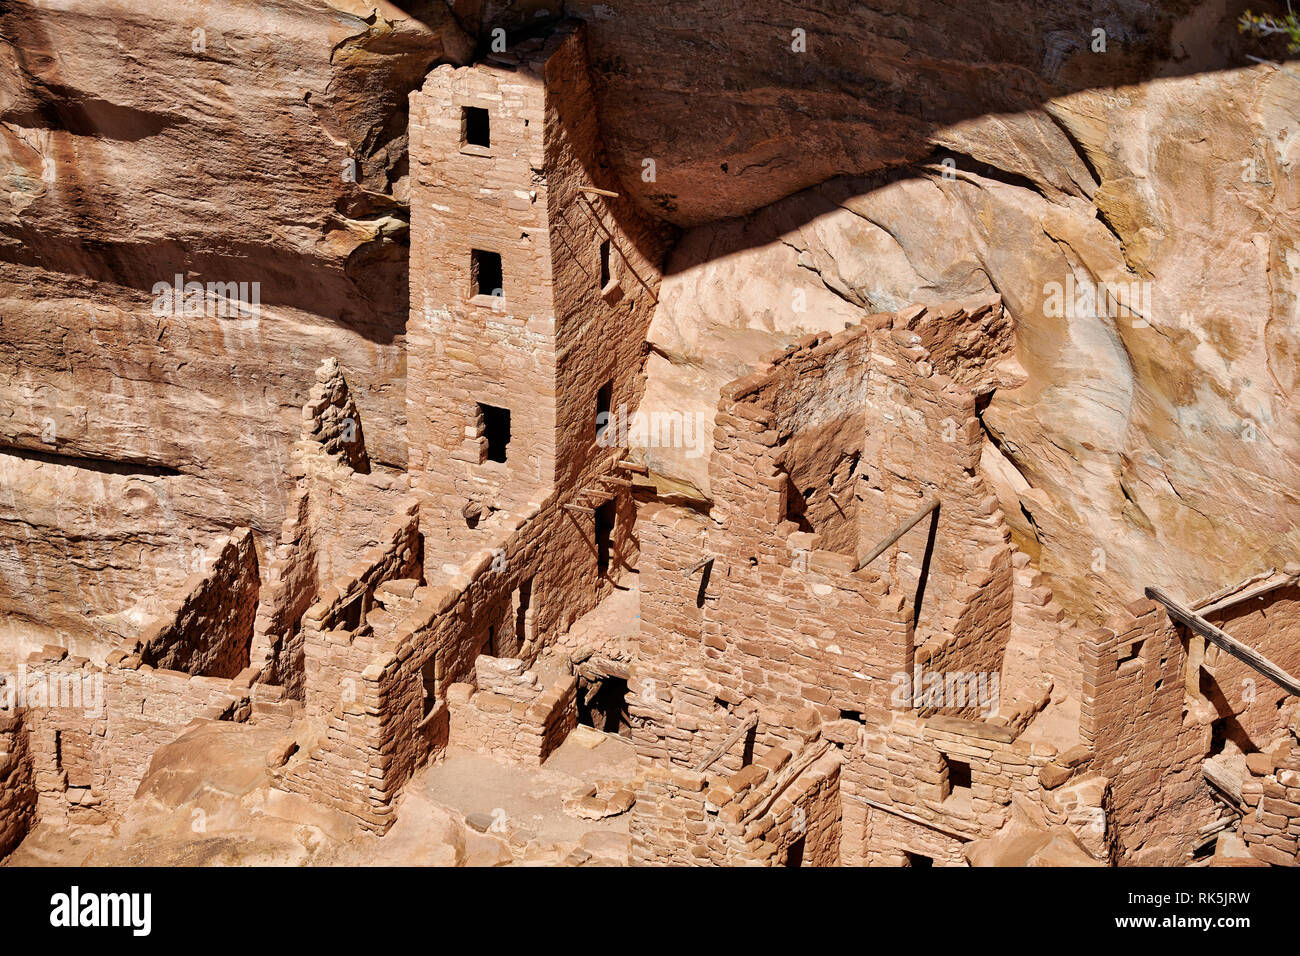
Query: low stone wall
[902, 778]
[510, 715]
[92, 731]
[778, 811]
[1272, 827]
[17, 792]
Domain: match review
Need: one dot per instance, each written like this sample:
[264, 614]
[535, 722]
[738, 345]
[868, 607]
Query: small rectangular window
[485, 273]
[956, 777]
[604, 264]
[475, 127]
[1130, 653]
[496, 429]
[427, 673]
[604, 402]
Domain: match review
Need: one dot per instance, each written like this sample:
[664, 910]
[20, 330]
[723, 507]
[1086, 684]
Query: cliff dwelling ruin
[650, 528]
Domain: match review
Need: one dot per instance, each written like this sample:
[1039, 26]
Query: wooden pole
[593, 191]
[1235, 599]
[930, 504]
[1203, 628]
[1230, 589]
[723, 747]
[698, 566]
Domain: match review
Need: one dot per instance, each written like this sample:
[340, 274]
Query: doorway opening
[606, 515]
[794, 856]
[602, 704]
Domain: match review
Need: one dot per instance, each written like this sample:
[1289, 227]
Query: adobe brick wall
[17, 792]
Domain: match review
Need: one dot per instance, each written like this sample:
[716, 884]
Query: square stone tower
[531, 289]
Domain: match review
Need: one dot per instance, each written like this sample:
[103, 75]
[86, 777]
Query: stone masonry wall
[1133, 720]
[516, 718]
[1271, 827]
[212, 630]
[901, 770]
[751, 817]
[543, 348]
[94, 730]
[17, 792]
[383, 693]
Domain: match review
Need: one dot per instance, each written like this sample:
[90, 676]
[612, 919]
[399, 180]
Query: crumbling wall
[510, 714]
[93, 730]
[1271, 826]
[330, 418]
[383, 693]
[334, 514]
[289, 589]
[900, 776]
[212, 630]
[930, 368]
[1133, 720]
[778, 811]
[17, 792]
[333, 658]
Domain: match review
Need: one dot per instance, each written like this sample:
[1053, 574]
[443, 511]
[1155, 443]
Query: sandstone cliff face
[265, 143]
[1155, 440]
[254, 143]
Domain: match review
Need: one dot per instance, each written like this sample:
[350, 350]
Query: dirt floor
[207, 801]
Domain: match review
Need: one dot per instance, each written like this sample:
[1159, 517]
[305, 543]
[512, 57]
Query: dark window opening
[604, 404]
[796, 504]
[476, 126]
[602, 704]
[605, 517]
[851, 715]
[917, 859]
[956, 777]
[604, 263]
[523, 602]
[1228, 736]
[1130, 653]
[427, 678]
[350, 615]
[794, 856]
[496, 429]
[485, 272]
[490, 642]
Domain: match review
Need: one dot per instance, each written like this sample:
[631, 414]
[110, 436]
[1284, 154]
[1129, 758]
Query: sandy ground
[207, 801]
